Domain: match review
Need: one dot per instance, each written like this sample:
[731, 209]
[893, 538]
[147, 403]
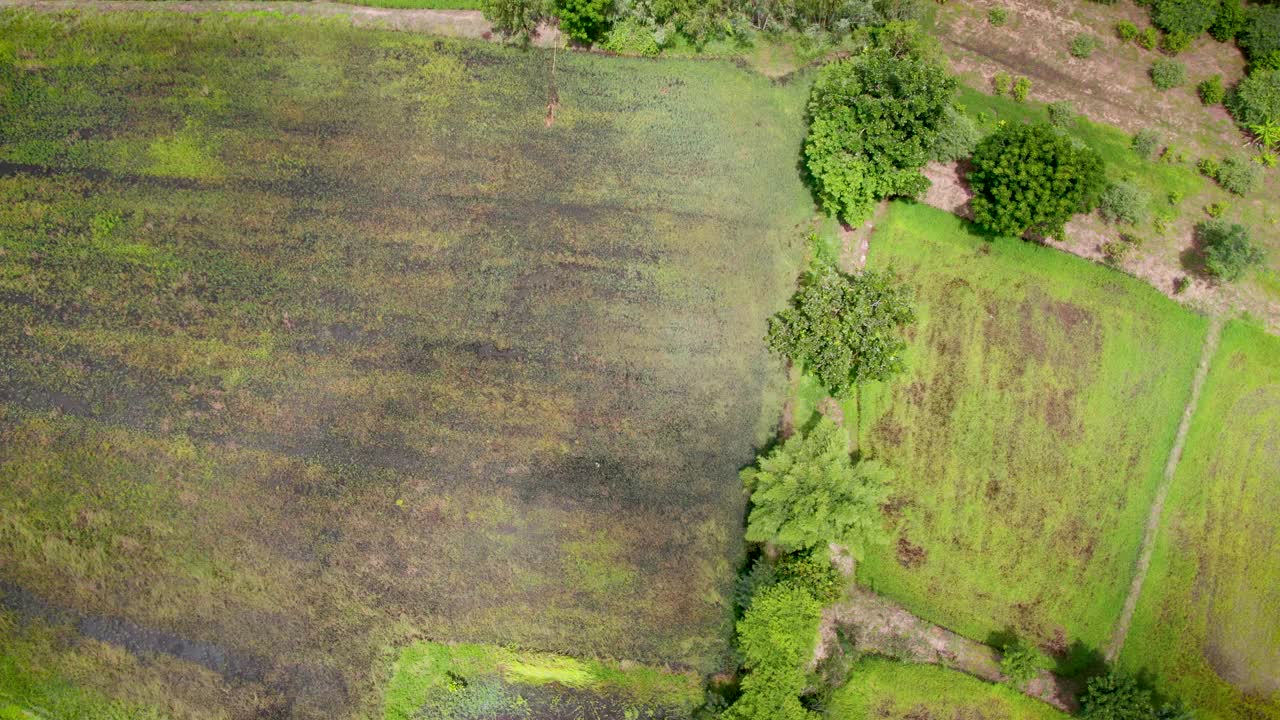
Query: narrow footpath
[1121, 631]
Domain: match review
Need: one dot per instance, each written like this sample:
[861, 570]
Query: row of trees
[696, 21]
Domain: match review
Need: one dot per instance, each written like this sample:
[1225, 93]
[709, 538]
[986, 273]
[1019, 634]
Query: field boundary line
[1121, 631]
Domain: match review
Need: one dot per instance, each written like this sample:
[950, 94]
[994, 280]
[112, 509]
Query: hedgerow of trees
[1029, 177]
[845, 329]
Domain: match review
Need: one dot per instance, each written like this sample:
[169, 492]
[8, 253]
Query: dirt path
[1121, 631]
[880, 626]
[454, 23]
[855, 243]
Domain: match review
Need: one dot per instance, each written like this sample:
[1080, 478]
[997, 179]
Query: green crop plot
[1029, 433]
[879, 688]
[313, 339]
[1208, 624]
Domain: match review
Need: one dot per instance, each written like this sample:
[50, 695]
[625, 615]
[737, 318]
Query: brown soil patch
[910, 556]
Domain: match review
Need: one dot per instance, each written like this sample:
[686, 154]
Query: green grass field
[891, 690]
[1029, 433]
[315, 339]
[1208, 624]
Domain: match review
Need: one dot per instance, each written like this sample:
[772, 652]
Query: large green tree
[845, 329]
[809, 492]
[1029, 177]
[515, 18]
[873, 120]
[586, 21]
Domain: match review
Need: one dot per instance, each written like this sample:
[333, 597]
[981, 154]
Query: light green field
[893, 690]
[1208, 624]
[1028, 434]
[314, 339]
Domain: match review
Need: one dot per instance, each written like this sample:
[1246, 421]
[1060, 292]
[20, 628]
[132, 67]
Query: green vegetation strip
[892, 690]
[447, 681]
[1208, 623]
[1028, 434]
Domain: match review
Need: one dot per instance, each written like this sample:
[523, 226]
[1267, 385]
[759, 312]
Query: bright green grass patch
[1208, 622]
[891, 690]
[444, 681]
[1028, 434]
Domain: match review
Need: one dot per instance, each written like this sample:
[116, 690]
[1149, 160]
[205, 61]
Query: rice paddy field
[892, 690]
[1028, 434]
[317, 341]
[1208, 623]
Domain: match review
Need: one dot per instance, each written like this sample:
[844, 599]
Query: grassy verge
[420, 4]
[1028, 434]
[879, 688]
[446, 681]
[1208, 624]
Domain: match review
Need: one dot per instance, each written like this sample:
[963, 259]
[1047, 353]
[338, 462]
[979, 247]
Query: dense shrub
[1126, 30]
[585, 21]
[957, 137]
[997, 16]
[1176, 42]
[1061, 113]
[1020, 662]
[1228, 250]
[845, 329]
[1124, 202]
[1190, 17]
[1238, 175]
[1148, 38]
[814, 572]
[631, 37]
[1211, 91]
[1115, 697]
[752, 582]
[1083, 45]
[873, 120]
[1229, 21]
[1001, 83]
[1028, 177]
[1145, 142]
[808, 492]
[1021, 88]
[1167, 74]
[1260, 37]
[1256, 99]
[514, 18]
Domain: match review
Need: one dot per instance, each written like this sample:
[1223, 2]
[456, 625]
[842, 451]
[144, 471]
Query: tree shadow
[1193, 258]
[1080, 661]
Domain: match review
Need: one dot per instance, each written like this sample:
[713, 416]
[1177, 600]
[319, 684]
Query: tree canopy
[1028, 177]
[845, 329]
[809, 492]
[1228, 250]
[873, 120]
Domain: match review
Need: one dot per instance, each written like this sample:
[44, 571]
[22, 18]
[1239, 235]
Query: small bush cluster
[1115, 251]
[1238, 175]
[1061, 113]
[1148, 38]
[997, 16]
[1211, 91]
[1124, 202]
[1020, 662]
[1146, 142]
[957, 137]
[1167, 74]
[1021, 88]
[1228, 250]
[1001, 83]
[1126, 30]
[1256, 99]
[1083, 45]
